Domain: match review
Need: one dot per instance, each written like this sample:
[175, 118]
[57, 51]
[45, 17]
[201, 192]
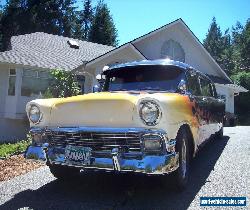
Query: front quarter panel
[176, 111]
[179, 112]
[45, 106]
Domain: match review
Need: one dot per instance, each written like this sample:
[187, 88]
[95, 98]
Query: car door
[217, 109]
[213, 107]
[208, 106]
[199, 104]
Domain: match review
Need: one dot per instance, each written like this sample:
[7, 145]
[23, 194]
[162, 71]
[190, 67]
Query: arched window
[173, 50]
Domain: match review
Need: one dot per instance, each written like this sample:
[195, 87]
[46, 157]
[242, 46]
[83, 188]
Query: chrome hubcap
[184, 158]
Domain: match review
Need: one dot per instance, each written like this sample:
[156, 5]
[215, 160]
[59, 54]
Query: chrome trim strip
[97, 129]
[162, 62]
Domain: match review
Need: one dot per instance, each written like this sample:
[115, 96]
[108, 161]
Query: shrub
[243, 100]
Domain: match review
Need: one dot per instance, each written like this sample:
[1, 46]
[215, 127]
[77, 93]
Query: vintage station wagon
[149, 117]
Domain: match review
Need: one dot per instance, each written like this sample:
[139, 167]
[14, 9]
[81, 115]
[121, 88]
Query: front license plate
[79, 154]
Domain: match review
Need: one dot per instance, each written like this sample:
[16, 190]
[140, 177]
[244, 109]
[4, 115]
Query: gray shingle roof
[50, 51]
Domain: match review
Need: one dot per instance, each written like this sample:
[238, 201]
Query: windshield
[155, 78]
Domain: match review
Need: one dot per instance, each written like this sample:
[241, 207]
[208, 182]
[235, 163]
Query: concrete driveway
[222, 168]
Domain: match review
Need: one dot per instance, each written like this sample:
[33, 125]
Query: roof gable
[188, 32]
[180, 24]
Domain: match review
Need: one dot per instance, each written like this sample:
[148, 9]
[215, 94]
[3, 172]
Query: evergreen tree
[241, 47]
[87, 18]
[245, 47]
[103, 29]
[226, 57]
[27, 16]
[220, 46]
[237, 41]
[213, 41]
[9, 25]
[78, 31]
[67, 17]
[1, 14]
[83, 21]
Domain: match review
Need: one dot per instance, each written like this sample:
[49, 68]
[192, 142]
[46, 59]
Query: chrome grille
[127, 142]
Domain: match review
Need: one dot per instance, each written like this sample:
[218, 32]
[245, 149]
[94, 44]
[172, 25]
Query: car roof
[160, 62]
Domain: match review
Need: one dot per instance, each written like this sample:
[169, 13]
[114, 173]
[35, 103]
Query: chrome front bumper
[163, 162]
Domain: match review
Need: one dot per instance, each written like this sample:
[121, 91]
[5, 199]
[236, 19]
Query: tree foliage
[213, 41]
[63, 84]
[83, 21]
[243, 100]
[219, 46]
[232, 51]
[103, 28]
[59, 17]
[28, 16]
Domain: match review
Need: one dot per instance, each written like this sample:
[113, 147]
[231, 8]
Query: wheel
[180, 176]
[64, 172]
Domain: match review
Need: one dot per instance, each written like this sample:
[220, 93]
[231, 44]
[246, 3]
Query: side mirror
[96, 88]
[182, 87]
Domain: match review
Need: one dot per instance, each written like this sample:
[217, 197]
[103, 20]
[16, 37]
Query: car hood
[105, 109]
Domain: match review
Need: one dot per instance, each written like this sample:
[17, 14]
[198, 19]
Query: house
[24, 68]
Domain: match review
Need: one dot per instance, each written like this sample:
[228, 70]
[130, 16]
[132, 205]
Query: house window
[193, 83]
[81, 81]
[12, 82]
[206, 88]
[173, 50]
[34, 82]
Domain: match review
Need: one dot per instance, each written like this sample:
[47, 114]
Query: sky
[134, 18]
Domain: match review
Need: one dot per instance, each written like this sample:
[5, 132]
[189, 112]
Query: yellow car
[149, 117]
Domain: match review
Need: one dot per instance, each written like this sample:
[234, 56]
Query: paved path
[222, 168]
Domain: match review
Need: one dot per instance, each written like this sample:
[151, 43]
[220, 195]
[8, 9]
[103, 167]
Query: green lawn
[8, 149]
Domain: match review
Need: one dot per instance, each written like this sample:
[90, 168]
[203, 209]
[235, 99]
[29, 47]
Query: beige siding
[3, 87]
[13, 130]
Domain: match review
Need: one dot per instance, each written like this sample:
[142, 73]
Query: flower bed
[16, 165]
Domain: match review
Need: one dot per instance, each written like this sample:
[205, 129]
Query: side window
[214, 90]
[193, 83]
[34, 82]
[12, 82]
[206, 88]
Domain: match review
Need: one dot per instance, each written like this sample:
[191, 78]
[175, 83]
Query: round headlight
[34, 114]
[150, 112]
